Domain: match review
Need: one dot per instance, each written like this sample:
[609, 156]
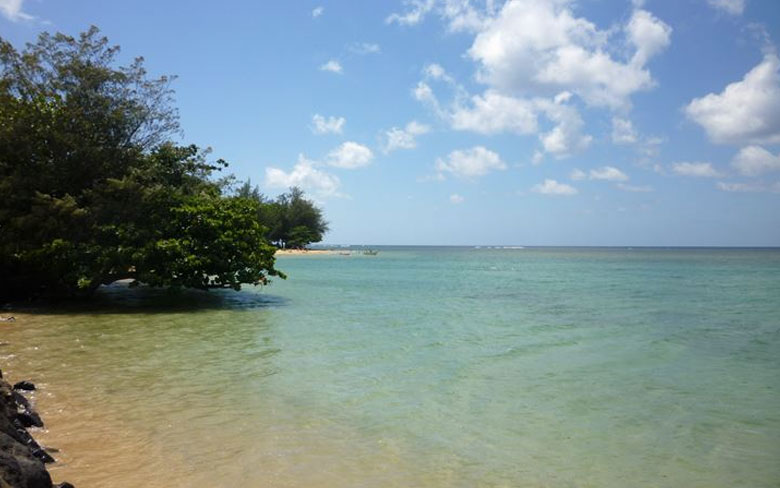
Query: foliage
[293, 221]
[92, 189]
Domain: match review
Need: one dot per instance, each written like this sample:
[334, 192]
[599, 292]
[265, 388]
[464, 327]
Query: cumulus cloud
[623, 131]
[333, 66]
[456, 199]
[552, 187]
[698, 169]
[577, 175]
[746, 111]
[470, 163]
[648, 34]
[329, 125]
[755, 160]
[492, 113]
[608, 173]
[733, 7]
[12, 10]
[317, 11]
[566, 138]
[541, 46]
[405, 138]
[350, 155]
[305, 175]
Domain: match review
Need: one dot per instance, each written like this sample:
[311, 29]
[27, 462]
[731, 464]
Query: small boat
[370, 252]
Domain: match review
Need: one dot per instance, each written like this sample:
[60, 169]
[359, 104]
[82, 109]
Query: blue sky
[485, 122]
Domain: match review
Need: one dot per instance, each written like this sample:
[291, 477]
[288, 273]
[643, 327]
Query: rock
[22, 460]
[64, 484]
[19, 468]
[21, 401]
[29, 419]
[24, 385]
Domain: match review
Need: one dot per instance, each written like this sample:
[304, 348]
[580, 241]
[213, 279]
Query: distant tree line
[291, 219]
[93, 189]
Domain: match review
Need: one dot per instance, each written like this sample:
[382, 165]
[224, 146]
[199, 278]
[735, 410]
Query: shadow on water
[119, 298]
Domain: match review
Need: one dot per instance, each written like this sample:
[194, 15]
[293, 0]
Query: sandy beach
[303, 252]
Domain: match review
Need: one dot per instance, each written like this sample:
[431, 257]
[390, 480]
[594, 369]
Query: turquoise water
[427, 367]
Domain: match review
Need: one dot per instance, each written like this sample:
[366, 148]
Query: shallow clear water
[429, 367]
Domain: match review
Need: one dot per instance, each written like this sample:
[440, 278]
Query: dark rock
[19, 468]
[64, 484]
[44, 456]
[29, 419]
[24, 385]
[21, 457]
[21, 400]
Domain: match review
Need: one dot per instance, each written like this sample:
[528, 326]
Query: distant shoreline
[301, 252]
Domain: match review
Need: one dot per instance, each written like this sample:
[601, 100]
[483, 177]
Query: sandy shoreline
[302, 252]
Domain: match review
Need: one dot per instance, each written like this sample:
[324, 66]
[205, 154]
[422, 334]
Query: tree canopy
[92, 188]
[293, 221]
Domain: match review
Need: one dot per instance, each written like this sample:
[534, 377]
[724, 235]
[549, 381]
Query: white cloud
[317, 11]
[460, 14]
[566, 137]
[405, 138]
[350, 155]
[333, 66]
[608, 173]
[648, 34]
[12, 10]
[492, 113]
[329, 125]
[552, 187]
[748, 187]
[456, 199]
[437, 72]
[305, 175]
[424, 93]
[577, 175]
[623, 131]
[747, 111]
[755, 160]
[539, 45]
[633, 188]
[470, 163]
[698, 169]
[733, 7]
[417, 10]
[365, 48]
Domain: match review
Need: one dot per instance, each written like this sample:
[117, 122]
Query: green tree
[92, 189]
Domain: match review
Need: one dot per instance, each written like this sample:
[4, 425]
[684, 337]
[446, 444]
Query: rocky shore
[22, 460]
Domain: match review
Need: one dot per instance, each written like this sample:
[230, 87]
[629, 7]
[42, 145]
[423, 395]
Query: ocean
[422, 367]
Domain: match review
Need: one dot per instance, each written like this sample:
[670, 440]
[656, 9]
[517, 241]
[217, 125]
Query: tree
[292, 220]
[92, 189]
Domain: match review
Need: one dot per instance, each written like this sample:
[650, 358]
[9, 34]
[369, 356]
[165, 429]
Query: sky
[475, 122]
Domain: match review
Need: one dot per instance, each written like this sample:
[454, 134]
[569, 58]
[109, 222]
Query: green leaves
[92, 189]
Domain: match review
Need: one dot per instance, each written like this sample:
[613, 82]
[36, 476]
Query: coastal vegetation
[95, 187]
